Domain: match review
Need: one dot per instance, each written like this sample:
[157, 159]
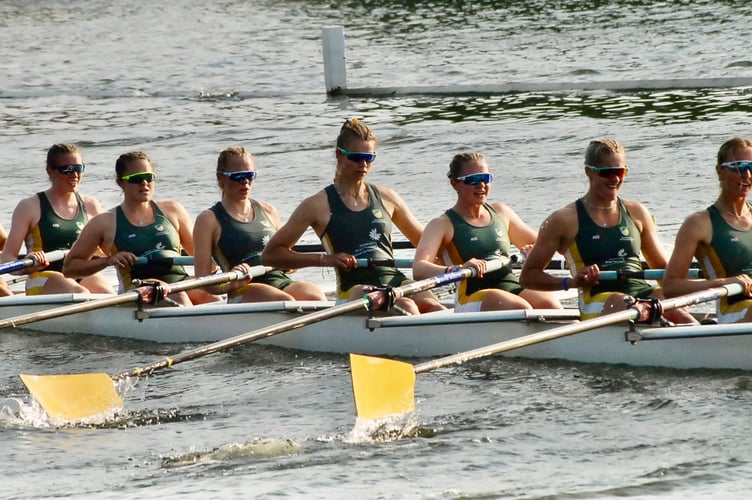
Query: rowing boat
[434, 334]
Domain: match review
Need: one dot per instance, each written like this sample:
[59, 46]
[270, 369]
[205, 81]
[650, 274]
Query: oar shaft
[124, 298]
[253, 336]
[372, 300]
[566, 330]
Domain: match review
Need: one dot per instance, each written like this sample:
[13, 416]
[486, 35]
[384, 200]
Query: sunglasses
[357, 156]
[609, 171]
[738, 166]
[475, 179]
[77, 168]
[248, 175]
[139, 177]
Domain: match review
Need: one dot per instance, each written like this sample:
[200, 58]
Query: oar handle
[17, 265]
[404, 263]
[214, 279]
[379, 299]
[178, 260]
[316, 247]
[647, 274]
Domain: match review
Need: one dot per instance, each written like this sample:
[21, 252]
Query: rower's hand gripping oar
[78, 396]
[384, 387]
[17, 265]
[150, 293]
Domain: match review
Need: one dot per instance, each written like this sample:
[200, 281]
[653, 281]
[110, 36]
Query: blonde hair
[729, 148]
[460, 160]
[600, 147]
[233, 152]
[354, 129]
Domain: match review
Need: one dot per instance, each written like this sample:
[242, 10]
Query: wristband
[565, 283]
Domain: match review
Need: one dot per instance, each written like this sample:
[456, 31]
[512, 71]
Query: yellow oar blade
[382, 387]
[73, 397]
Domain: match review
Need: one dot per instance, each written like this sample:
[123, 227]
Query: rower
[137, 227]
[52, 220]
[720, 237]
[234, 231]
[471, 231]
[354, 221]
[600, 231]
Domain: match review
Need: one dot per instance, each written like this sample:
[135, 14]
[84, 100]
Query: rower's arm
[552, 238]
[695, 231]
[433, 240]
[79, 262]
[278, 252]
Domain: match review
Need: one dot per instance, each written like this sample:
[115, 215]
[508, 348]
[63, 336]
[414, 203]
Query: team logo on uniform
[621, 253]
[159, 246]
[377, 213]
[55, 225]
[265, 239]
[374, 235]
[624, 230]
[160, 228]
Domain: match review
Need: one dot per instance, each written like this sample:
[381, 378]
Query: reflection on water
[650, 108]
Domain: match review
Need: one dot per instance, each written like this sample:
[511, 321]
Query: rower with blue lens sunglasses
[475, 179]
[358, 156]
[73, 168]
[740, 167]
[241, 176]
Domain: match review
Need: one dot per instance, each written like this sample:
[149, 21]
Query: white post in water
[335, 69]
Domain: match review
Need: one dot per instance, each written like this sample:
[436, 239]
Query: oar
[78, 396]
[178, 260]
[316, 247]
[384, 387]
[513, 259]
[17, 265]
[385, 262]
[647, 274]
[129, 296]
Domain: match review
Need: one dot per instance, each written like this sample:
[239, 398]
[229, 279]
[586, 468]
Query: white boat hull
[436, 334]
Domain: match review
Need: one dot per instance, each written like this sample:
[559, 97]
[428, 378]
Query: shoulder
[266, 206]
[564, 215]
[316, 202]
[636, 209]
[102, 220]
[92, 205]
[697, 221]
[171, 207]
[502, 209]
[30, 202]
[387, 193]
[206, 217]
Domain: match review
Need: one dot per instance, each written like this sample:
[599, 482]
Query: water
[183, 81]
